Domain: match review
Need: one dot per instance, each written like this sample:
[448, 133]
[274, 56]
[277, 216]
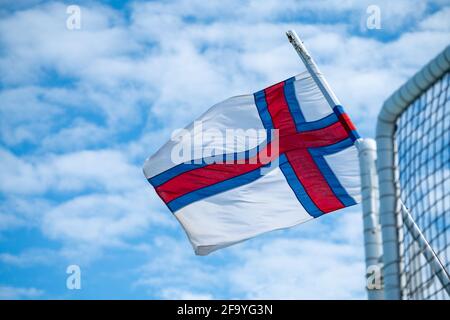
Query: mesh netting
[423, 159]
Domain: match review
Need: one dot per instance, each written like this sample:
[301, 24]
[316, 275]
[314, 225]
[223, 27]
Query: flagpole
[315, 73]
[311, 66]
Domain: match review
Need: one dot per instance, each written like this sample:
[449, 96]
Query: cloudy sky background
[80, 110]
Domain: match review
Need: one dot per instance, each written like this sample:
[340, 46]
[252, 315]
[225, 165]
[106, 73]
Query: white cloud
[80, 133]
[103, 219]
[322, 261]
[301, 269]
[41, 40]
[176, 294]
[319, 260]
[10, 221]
[29, 258]
[22, 212]
[93, 65]
[106, 170]
[439, 21]
[13, 293]
[107, 200]
[19, 109]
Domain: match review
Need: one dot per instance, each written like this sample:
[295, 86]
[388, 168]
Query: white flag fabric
[255, 163]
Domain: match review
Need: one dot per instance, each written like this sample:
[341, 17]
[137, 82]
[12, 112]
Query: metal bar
[312, 68]
[315, 73]
[371, 223]
[430, 255]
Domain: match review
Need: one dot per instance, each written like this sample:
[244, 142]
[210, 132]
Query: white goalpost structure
[408, 234]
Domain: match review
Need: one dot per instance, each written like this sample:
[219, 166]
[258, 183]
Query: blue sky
[80, 110]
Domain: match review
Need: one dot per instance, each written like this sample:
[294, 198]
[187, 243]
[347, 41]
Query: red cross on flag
[255, 163]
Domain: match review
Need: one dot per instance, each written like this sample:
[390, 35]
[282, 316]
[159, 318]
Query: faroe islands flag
[255, 163]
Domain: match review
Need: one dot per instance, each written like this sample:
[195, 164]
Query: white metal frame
[371, 220]
[386, 167]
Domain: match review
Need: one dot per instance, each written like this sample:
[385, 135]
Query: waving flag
[291, 158]
[316, 169]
